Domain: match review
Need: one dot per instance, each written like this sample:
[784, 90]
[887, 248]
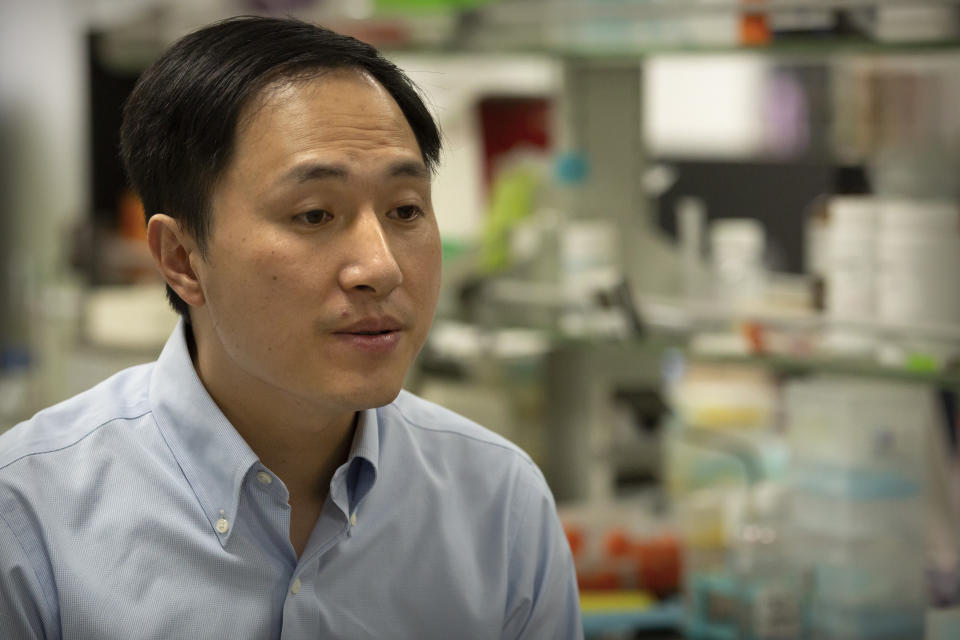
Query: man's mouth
[377, 336]
[371, 326]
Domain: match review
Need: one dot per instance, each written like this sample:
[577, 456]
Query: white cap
[737, 234]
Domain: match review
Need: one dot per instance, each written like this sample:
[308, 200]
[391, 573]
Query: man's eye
[314, 217]
[406, 213]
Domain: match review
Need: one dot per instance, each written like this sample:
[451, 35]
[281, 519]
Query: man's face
[322, 271]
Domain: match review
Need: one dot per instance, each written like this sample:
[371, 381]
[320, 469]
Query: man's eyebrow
[321, 171]
[408, 169]
[314, 171]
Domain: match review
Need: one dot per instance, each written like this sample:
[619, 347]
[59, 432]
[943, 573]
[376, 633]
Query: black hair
[180, 121]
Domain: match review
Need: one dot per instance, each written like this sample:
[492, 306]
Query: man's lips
[371, 326]
[373, 335]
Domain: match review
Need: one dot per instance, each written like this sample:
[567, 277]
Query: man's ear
[172, 248]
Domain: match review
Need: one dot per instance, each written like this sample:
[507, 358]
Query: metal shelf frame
[539, 11]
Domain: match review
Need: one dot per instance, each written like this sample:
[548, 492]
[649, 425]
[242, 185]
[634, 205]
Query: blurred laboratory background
[701, 261]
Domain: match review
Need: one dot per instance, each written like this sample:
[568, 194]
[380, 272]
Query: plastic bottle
[772, 589]
[580, 247]
[737, 248]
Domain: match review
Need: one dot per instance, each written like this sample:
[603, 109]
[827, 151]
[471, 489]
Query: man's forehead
[283, 90]
[345, 107]
[337, 127]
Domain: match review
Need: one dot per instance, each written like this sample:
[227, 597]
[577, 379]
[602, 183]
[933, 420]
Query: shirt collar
[214, 458]
[364, 460]
[366, 439]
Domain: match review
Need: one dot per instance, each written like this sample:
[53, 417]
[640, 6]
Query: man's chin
[373, 398]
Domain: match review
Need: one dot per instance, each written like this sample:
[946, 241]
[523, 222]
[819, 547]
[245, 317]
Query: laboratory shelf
[666, 324]
[799, 48]
[624, 29]
[565, 10]
[537, 26]
[797, 365]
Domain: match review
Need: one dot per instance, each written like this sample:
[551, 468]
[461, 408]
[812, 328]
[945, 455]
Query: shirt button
[264, 478]
[295, 587]
[223, 525]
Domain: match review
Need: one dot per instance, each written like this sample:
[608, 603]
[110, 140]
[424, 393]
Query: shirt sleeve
[542, 598]
[21, 595]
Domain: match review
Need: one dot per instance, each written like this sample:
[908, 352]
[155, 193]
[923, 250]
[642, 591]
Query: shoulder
[432, 427]
[58, 428]
[430, 421]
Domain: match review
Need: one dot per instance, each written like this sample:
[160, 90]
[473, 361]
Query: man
[263, 478]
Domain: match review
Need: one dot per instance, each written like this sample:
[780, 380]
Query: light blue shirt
[135, 510]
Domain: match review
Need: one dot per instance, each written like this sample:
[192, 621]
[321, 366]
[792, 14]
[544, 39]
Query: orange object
[649, 563]
[658, 564]
[617, 543]
[575, 538]
[755, 29]
[756, 336]
[600, 581]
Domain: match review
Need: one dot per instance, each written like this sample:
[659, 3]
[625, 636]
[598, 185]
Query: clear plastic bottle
[773, 589]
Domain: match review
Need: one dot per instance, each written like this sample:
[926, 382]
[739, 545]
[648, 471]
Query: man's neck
[302, 444]
[305, 460]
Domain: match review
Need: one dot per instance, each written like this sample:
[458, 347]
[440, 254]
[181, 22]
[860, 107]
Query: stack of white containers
[850, 268]
[891, 23]
[857, 479]
[896, 261]
[918, 259]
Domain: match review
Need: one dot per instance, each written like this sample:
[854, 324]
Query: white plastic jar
[918, 262]
[737, 247]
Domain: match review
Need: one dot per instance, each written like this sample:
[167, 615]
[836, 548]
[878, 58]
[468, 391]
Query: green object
[513, 198]
[922, 362]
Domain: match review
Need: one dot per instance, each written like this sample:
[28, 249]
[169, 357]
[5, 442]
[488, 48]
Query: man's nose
[370, 264]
